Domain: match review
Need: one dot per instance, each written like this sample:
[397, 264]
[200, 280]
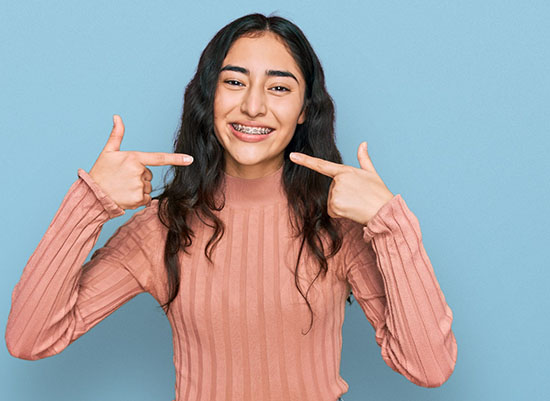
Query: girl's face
[257, 105]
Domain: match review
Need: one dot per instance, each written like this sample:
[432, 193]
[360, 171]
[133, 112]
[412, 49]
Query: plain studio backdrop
[452, 98]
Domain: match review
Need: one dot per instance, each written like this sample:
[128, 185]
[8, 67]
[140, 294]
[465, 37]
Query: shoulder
[145, 222]
[353, 244]
[143, 232]
[138, 245]
[352, 234]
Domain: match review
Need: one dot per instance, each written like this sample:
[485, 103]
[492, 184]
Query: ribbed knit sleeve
[57, 298]
[394, 283]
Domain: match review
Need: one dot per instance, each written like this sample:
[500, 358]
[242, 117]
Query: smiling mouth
[252, 130]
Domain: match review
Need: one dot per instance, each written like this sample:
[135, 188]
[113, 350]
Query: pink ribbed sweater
[237, 324]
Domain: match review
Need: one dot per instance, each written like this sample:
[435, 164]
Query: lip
[248, 137]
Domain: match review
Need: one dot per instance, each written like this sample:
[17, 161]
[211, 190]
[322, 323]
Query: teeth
[252, 130]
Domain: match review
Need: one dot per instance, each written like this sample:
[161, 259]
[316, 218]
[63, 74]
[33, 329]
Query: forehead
[267, 51]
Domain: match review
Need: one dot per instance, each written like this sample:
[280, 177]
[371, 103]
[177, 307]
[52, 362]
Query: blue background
[452, 98]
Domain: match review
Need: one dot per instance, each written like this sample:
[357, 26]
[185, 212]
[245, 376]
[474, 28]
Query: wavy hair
[193, 188]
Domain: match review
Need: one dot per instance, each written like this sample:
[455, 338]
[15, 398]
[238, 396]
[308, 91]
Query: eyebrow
[271, 73]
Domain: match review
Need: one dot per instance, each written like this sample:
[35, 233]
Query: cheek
[223, 105]
[216, 108]
[216, 114]
[289, 112]
[218, 105]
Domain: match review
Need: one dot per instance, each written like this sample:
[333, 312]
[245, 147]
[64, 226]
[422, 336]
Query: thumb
[363, 157]
[117, 133]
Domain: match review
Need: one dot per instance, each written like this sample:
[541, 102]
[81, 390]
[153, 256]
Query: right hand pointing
[122, 175]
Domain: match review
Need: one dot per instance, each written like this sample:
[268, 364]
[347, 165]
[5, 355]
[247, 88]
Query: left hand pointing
[355, 193]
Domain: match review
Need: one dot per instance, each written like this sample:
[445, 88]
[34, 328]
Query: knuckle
[137, 197]
[136, 169]
[131, 157]
[337, 204]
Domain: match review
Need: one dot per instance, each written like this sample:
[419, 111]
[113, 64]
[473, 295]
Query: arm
[57, 298]
[392, 279]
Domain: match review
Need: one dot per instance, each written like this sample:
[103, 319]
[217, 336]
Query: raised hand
[122, 175]
[355, 193]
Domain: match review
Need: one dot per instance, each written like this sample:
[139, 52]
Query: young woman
[253, 246]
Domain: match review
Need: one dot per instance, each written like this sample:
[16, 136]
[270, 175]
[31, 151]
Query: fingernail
[188, 159]
[294, 156]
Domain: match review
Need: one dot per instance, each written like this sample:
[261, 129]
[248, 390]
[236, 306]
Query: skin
[271, 101]
[257, 97]
[123, 175]
[355, 193]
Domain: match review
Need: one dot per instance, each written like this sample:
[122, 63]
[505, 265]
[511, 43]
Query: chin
[249, 158]
[249, 161]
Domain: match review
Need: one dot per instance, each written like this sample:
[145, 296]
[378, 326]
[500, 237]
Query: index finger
[322, 166]
[163, 159]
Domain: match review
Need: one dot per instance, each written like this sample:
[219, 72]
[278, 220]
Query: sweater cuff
[108, 204]
[387, 218]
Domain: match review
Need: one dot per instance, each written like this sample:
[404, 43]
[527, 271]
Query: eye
[279, 88]
[233, 82]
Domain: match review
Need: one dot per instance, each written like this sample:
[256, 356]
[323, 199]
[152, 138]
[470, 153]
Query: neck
[252, 192]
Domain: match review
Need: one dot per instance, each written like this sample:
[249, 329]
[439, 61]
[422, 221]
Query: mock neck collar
[250, 192]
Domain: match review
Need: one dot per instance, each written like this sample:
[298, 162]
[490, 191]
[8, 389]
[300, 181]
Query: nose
[254, 102]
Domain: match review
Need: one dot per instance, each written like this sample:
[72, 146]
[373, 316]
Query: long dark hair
[193, 188]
